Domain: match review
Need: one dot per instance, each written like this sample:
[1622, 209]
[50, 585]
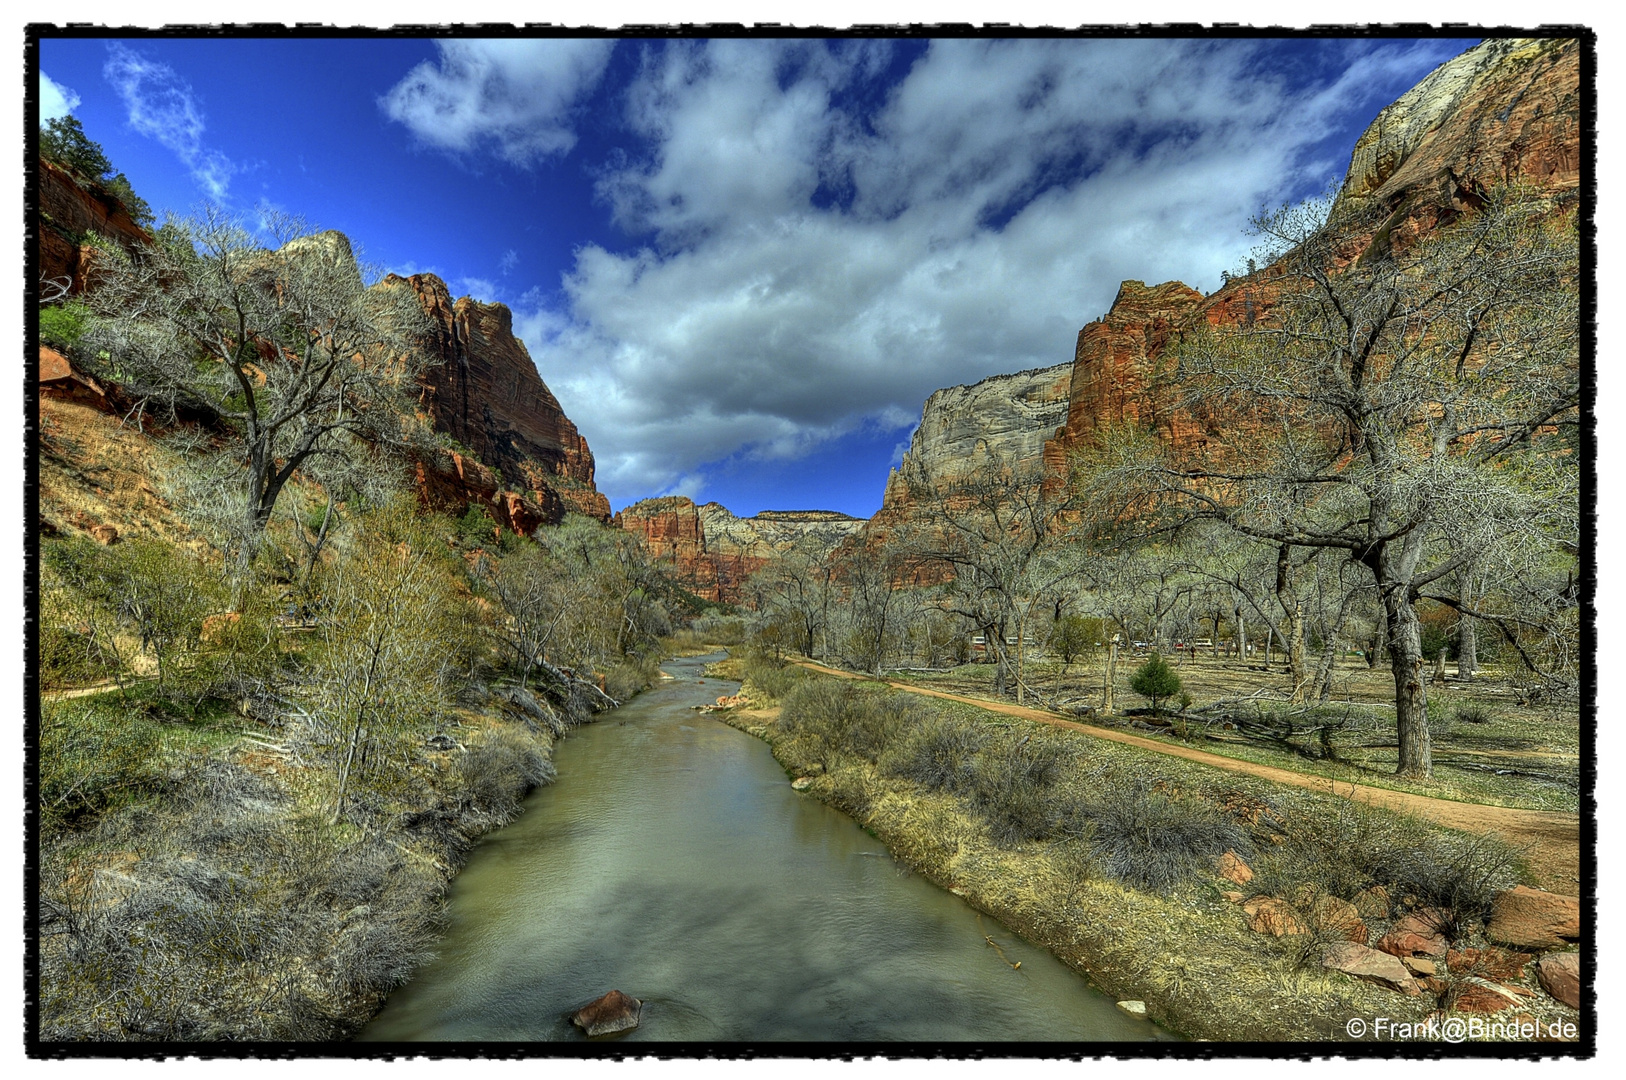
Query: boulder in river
[613, 1012]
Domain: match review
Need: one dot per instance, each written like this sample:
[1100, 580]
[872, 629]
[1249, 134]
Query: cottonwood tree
[287, 348]
[998, 534]
[1405, 407]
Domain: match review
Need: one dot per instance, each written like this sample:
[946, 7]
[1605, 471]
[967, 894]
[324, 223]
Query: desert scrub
[1344, 848]
[1138, 831]
[767, 679]
[631, 675]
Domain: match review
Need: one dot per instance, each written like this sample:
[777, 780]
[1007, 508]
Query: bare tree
[287, 349]
[1407, 407]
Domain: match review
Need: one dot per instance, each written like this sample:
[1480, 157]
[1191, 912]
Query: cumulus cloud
[161, 106]
[812, 264]
[514, 94]
[56, 100]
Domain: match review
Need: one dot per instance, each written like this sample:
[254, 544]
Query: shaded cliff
[487, 395]
[68, 212]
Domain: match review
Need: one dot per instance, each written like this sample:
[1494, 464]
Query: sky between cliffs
[742, 265]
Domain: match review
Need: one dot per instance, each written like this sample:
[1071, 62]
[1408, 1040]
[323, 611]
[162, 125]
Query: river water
[672, 861]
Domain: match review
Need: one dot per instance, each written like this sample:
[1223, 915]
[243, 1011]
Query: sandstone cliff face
[1504, 111]
[964, 430]
[486, 393]
[67, 211]
[713, 553]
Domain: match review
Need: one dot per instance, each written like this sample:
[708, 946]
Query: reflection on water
[672, 861]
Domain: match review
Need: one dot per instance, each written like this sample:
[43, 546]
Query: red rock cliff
[1505, 111]
[486, 394]
[67, 211]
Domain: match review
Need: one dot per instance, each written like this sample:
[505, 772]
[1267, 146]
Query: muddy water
[671, 860]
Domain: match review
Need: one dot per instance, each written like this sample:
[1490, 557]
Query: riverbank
[1188, 953]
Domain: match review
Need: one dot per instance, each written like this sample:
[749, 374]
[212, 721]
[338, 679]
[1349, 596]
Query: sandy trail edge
[1551, 840]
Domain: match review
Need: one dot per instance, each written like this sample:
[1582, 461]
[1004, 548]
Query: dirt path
[1552, 840]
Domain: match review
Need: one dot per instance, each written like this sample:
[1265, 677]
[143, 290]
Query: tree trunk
[1411, 699]
[1112, 676]
[1293, 607]
[1467, 632]
[1329, 656]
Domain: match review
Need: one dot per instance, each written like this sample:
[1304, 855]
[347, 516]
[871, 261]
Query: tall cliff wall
[1505, 111]
[68, 210]
[486, 393]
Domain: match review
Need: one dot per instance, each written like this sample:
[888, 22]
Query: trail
[1550, 839]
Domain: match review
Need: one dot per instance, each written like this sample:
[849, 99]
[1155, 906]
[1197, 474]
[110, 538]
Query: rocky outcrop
[965, 431]
[712, 553]
[68, 212]
[669, 527]
[611, 1013]
[487, 395]
[739, 547]
[1506, 111]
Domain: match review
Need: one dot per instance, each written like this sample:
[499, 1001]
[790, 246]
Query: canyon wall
[1506, 111]
[712, 553]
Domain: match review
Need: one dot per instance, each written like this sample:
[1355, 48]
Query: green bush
[93, 753]
[632, 675]
[769, 680]
[1011, 784]
[1155, 679]
[939, 753]
[849, 719]
[61, 326]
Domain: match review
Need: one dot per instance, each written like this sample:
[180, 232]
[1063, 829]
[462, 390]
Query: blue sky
[743, 265]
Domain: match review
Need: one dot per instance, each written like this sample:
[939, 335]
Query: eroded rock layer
[68, 213]
[712, 553]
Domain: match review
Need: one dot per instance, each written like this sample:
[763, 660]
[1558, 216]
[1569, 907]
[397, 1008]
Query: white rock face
[965, 430]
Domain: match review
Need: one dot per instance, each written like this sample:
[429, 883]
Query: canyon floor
[1550, 840]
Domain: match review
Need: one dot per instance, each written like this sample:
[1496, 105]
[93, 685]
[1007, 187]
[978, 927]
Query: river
[672, 861]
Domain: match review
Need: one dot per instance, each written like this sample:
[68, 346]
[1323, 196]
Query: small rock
[1404, 943]
[613, 1012]
[801, 783]
[1134, 1008]
[440, 742]
[1269, 915]
[1420, 965]
[1231, 867]
[105, 534]
[1476, 995]
[1427, 922]
[1531, 919]
[1233, 897]
[1372, 903]
[1490, 962]
[1369, 965]
[1328, 913]
[1560, 975]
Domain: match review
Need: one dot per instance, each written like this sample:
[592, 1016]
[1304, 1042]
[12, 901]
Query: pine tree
[1155, 679]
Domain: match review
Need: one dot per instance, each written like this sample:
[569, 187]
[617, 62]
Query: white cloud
[515, 93]
[479, 288]
[56, 100]
[161, 106]
[509, 260]
[810, 271]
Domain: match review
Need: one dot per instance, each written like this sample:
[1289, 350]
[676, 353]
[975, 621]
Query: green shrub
[1155, 679]
[1010, 784]
[938, 753]
[632, 675]
[495, 775]
[769, 680]
[93, 754]
[1473, 712]
[1344, 847]
[63, 325]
